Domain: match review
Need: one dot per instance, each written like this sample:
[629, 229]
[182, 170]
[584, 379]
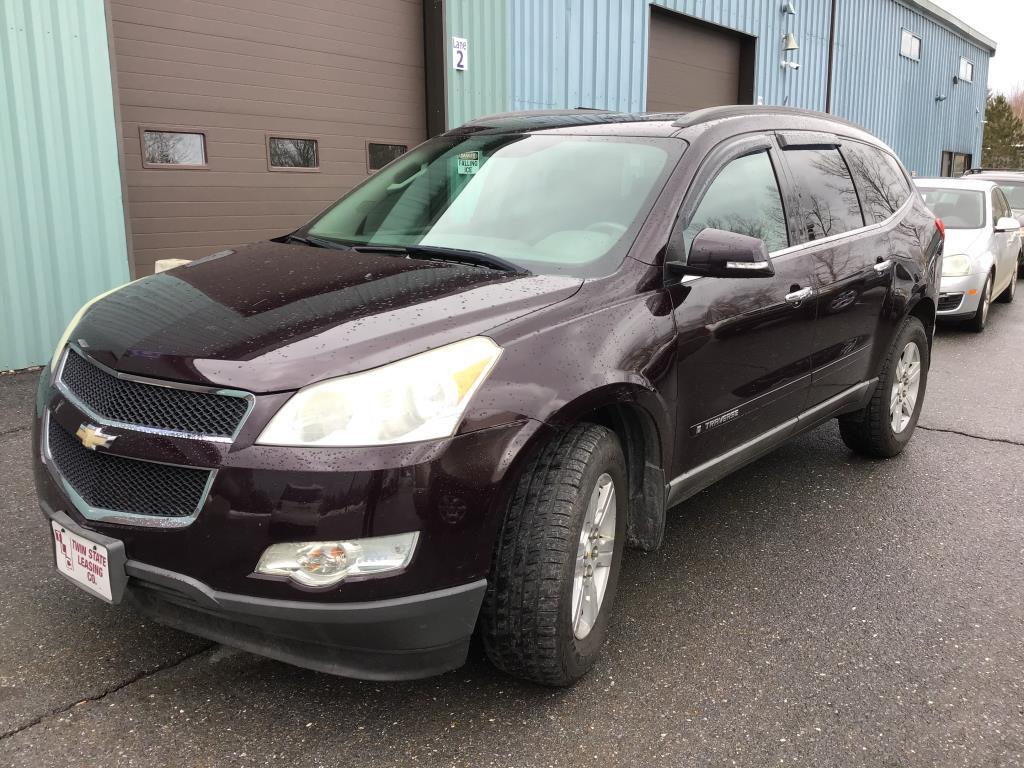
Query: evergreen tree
[1004, 135]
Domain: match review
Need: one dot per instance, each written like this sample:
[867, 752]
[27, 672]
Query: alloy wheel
[905, 387]
[594, 557]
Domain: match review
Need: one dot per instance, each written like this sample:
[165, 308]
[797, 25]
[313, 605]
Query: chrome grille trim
[58, 383]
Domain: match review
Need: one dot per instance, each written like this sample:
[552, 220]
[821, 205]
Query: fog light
[323, 563]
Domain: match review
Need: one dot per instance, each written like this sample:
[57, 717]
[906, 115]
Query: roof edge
[945, 17]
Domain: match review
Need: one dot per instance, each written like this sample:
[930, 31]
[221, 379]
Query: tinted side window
[828, 200]
[744, 198]
[999, 207]
[881, 184]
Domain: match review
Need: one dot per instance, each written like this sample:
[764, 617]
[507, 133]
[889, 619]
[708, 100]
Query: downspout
[831, 57]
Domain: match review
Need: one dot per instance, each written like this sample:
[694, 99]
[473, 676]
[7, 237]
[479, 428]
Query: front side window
[910, 45]
[744, 198]
[548, 203]
[828, 200]
[283, 152]
[999, 207]
[181, 148]
[958, 208]
[1014, 195]
[882, 186]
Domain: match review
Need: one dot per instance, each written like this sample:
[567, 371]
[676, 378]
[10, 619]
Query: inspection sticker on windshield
[469, 163]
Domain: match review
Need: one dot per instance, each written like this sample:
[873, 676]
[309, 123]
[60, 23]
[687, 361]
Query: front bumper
[396, 639]
[956, 299]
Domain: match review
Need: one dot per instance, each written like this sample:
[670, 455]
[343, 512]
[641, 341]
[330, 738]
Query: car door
[852, 264]
[1007, 244]
[743, 343]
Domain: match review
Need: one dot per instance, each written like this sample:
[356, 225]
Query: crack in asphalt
[14, 431]
[976, 437]
[104, 693]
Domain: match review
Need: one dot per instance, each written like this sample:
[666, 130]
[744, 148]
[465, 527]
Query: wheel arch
[636, 416]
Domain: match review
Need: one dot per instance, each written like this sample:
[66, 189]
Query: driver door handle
[796, 298]
[883, 265]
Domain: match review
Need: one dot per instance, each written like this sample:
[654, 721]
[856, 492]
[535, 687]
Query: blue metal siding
[62, 235]
[483, 87]
[895, 97]
[570, 53]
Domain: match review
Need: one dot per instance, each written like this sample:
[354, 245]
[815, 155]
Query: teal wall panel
[483, 88]
[62, 233]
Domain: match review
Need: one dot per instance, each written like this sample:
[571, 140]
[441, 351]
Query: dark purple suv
[448, 403]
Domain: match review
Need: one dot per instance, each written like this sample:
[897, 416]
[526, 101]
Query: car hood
[272, 317]
[969, 241]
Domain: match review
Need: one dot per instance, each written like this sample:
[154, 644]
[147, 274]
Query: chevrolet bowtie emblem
[92, 437]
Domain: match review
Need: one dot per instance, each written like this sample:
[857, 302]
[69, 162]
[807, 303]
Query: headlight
[74, 322]
[420, 398]
[956, 265]
[323, 563]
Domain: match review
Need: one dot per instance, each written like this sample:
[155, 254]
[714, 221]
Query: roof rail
[536, 113]
[699, 116]
[971, 171]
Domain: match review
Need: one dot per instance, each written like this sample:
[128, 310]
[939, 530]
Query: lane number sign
[460, 53]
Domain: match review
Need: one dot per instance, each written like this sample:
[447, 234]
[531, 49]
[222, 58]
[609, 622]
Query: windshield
[1014, 194]
[551, 204]
[958, 208]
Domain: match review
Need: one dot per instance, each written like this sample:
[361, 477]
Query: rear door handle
[796, 298]
[883, 265]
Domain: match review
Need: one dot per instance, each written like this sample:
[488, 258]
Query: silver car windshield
[1014, 194]
[549, 203]
[958, 208]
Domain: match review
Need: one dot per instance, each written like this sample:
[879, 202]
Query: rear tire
[883, 428]
[980, 320]
[538, 620]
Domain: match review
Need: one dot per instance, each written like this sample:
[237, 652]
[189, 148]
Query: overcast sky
[1002, 21]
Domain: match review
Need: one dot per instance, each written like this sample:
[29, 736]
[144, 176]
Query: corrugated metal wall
[570, 53]
[483, 88]
[593, 53]
[895, 97]
[62, 236]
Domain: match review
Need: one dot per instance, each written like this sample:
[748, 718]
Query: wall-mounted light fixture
[941, 97]
[789, 42]
[790, 64]
[788, 8]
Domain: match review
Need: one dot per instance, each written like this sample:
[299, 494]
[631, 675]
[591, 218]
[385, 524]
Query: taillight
[941, 227]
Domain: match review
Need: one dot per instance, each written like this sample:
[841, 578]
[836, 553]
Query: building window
[956, 163]
[181, 149]
[967, 70]
[293, 153]
[379, 155]
[910, 46]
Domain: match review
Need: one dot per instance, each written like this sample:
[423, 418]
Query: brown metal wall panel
[342, 71]
[690, 65]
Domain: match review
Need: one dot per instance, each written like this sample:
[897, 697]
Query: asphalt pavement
[814, 609]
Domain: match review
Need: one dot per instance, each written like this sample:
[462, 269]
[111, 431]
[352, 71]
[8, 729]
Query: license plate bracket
[89, 560]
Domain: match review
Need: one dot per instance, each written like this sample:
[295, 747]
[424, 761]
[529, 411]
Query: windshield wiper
[316, 242]
[441, 253]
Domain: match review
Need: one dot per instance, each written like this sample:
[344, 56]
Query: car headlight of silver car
[956, 265]
[421, 397]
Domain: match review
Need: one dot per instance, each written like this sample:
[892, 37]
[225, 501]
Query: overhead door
[692, 64]
[242, 118]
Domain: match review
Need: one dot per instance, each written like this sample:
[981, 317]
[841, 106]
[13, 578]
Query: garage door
[243, 118]
[693, 65]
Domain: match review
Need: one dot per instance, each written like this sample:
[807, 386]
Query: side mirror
[1006, 224]
[717, 253]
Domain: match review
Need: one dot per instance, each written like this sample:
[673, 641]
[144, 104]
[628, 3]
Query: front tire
[1006, 297]
[884, 427]
[980, 319]
[557, 560]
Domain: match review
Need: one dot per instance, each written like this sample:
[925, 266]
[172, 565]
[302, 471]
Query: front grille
[125, 485]
[949, 301]
[150, 405]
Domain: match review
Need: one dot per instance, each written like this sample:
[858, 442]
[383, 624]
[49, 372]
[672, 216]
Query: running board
[700, 477]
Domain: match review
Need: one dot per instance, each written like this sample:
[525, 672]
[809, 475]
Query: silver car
[983, 246]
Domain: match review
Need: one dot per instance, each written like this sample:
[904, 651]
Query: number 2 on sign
[460, 53]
